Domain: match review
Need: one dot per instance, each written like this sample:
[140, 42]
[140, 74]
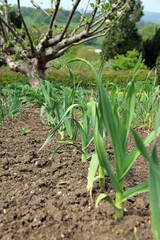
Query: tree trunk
[35, 68]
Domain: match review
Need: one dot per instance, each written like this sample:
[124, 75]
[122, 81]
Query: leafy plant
[25, 93]
[25, 131]
[48, 110]
[66, 121]
[72, 127]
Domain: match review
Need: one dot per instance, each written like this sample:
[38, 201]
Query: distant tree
[124, 36]
[15, 20]
[151, 49]
[30, 58]
[148, 31]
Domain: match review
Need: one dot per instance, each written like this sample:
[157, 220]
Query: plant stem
[101, 175]
[63, 134]
[119, 203]
[83, 157]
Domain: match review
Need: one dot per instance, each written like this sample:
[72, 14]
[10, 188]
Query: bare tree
[31, 59]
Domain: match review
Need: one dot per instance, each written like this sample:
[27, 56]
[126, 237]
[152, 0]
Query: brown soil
[47, 199]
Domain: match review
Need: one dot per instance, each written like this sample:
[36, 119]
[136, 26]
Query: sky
[149, 5]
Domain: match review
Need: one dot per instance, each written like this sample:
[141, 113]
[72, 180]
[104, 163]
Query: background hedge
[87, 80]
[7, 76]
[83, 78]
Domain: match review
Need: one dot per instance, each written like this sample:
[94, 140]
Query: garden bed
[47, 199]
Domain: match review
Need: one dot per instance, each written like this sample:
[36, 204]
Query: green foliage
[96, 42]
[61, 115]
[69, 54]
[127, 61]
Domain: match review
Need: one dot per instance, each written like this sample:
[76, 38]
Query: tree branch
[3, 32]
[52, 5]
[42, 44]
[38, 7]
[13, 49]
[6, 16]
[69, 19]
[16, 67]
[92, 16]
[93, 37]
[53, 67]
[65, 42]
[53, 17]
[61, 52]
[81, 22]
[25, 27]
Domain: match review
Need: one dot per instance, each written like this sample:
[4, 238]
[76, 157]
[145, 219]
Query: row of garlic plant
[108, 121]
[147, 103]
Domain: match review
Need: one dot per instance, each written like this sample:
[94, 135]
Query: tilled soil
[47, 199]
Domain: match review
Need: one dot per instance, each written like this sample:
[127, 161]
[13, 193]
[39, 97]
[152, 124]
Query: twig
[53, 16]
[38, 7]
[53, 67]
[92, 16]
[25, 26]
[69, 19]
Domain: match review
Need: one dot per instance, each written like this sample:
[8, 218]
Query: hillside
[36, 16]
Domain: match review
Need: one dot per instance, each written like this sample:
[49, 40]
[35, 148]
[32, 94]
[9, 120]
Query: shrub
[127, 62]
